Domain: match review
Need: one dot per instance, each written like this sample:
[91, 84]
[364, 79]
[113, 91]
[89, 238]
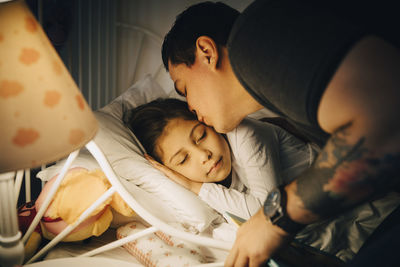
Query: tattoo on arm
[345, 174]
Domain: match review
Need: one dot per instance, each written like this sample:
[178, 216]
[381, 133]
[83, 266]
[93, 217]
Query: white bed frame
[156, 223]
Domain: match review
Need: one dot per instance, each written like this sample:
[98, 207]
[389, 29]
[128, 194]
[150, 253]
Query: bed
[178, 228]
[125, 157]
[170, 225]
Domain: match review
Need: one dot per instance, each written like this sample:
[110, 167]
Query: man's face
[207, 94]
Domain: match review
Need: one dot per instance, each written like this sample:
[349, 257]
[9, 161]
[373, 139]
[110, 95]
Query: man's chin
[223, 129]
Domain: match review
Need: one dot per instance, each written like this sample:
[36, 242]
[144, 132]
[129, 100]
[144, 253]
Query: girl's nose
[206, 155]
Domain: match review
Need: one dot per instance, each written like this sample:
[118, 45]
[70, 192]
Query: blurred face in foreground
[194, 150]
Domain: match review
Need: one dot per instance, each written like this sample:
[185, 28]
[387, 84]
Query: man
[337, 82]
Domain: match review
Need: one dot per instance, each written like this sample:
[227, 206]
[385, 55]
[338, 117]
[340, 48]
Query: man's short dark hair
[214, 20]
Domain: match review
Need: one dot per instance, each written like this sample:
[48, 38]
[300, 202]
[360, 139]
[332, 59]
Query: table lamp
[43, 115]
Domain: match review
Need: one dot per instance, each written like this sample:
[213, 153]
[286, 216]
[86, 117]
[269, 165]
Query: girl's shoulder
[252, 137]
[253, 128]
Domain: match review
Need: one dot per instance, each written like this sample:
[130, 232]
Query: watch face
[272, 203]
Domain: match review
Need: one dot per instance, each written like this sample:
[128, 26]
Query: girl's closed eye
[184, 160]
[202, 136]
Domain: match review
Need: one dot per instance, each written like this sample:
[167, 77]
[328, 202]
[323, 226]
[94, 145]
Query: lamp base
[11, 246]
[11, 251]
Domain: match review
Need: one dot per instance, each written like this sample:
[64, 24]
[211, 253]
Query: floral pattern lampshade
[43, 115]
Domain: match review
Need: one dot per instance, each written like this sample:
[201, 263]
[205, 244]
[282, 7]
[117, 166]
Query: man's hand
[175, 176]
[256, 240]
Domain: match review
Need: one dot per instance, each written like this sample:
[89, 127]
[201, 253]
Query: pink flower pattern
[154, 251]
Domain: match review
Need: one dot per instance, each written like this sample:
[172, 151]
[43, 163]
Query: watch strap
[282, 219]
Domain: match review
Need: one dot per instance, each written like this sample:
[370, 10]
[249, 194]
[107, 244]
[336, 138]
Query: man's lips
[216, 166]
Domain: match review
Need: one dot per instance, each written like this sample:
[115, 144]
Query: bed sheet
[84, 262]
[151, 250]
[73, 249]
[343, 236]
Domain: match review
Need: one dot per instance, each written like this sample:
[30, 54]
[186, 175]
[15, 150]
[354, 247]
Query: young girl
[231, 172]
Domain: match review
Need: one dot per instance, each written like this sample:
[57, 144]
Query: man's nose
[192, 109]
[199, 118]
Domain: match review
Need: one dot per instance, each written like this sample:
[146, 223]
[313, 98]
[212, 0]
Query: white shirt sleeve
[256, 160]
[224, 199]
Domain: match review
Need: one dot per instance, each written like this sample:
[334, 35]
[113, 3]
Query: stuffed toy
[79, 190]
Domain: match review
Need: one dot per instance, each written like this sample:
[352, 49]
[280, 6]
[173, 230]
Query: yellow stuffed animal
[79, 190]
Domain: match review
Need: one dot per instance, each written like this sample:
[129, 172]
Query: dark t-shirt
[284, 52]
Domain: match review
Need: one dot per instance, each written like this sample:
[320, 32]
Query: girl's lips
[216, 166]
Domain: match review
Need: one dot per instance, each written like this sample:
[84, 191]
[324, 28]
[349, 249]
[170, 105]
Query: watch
[275, 210]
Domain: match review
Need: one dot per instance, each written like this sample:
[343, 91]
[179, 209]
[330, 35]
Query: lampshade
[43, 115]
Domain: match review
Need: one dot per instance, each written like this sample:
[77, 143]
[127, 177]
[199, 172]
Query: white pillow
[125, 155]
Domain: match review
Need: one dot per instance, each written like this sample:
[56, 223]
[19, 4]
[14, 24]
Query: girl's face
[195, 151]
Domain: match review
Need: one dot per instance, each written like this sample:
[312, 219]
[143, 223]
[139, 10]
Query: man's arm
[345, 174]
[361, 159]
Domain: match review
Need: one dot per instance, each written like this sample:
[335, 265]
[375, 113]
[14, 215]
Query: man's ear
[207, 51]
